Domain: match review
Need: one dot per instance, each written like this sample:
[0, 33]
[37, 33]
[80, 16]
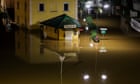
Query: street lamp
[88, 5]
[106, 6]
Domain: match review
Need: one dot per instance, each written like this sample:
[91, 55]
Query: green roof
[60, 21]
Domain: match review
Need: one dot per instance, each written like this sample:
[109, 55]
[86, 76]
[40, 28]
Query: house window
[66, 6]
[41, 7]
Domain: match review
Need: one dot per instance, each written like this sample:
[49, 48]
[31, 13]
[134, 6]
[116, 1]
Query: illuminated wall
[2, 3]
[31, 12]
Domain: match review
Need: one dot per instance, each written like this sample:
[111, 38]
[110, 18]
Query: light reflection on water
[110, 67]
[35, 50]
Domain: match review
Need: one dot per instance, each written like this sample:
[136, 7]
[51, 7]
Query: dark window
[41, 7]
[66, 6]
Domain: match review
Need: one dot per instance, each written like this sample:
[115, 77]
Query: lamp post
[88, 6]
[107, 7]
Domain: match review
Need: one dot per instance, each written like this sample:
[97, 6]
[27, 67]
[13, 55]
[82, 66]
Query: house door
[68, 35]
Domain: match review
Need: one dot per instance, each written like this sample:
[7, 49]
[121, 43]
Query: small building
[62, 27]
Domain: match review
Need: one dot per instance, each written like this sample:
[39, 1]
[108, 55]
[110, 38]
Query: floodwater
[28, 59]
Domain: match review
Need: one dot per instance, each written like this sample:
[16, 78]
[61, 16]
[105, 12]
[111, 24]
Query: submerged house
[62, 27]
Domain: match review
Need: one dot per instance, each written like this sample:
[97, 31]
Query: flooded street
[31, 60]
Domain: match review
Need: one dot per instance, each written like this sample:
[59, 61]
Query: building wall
[22, 44]
[6, 4]
[22, 12]
[51, 32]
[28, 11]
[59, 34]
[9, 3]
[2, 3]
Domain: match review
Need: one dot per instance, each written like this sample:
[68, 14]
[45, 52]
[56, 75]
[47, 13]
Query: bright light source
[86, 28]
[86, 77]
[88, 4]
[106, 6]
[103, 77]
[100, 10]
[84, 20]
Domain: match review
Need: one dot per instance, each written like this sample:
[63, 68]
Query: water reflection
[103, 48]
[32, 49]
[86, 77]
[61, 58]
[105, 67]
[103, 76]
[119, 64]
